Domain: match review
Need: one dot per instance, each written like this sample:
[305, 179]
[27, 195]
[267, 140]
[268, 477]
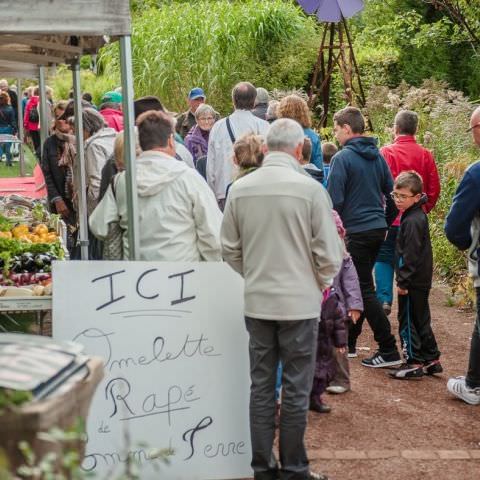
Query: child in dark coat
[342, 303]
[414, 271]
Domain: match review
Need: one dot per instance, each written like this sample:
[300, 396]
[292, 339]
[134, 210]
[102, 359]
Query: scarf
[66, 160]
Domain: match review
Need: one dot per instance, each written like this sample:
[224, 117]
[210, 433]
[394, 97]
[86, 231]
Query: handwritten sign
[176, 365]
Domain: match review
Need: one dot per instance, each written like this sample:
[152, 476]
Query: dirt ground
[388, 429]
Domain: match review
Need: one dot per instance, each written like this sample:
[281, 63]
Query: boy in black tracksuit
[414, 270]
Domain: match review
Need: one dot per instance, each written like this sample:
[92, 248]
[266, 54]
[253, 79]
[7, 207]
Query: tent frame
[30, 42]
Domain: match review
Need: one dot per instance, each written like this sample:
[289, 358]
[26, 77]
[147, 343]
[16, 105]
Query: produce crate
[24, 423]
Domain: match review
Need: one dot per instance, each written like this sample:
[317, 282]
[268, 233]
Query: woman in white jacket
[179, 218]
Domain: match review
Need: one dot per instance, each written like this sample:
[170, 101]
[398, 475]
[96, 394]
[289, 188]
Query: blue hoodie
[360, 184]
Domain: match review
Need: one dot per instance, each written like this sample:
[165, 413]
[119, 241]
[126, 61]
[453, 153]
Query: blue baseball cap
[196, 92]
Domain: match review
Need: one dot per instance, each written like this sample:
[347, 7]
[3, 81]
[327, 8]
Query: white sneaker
[336, 389]
[458, 387]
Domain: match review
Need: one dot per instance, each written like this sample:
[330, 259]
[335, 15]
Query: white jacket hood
[155, 170]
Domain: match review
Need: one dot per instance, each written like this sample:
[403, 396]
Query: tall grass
[214, 44]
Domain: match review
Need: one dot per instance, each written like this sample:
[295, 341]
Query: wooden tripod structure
[336, 51]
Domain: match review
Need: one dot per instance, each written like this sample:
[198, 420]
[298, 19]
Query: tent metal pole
[80, 175]
[129, 150]
[44, 127]
[21, 135]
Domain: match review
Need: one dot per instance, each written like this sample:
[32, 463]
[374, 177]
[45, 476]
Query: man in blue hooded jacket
[360, 184]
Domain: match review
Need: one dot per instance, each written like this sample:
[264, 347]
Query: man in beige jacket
[278, 233]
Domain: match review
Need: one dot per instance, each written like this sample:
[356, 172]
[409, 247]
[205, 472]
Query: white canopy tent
[37, 34]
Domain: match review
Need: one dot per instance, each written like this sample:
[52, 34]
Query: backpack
[33, 115]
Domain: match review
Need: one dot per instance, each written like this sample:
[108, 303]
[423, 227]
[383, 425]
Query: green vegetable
[38, 212]
[5, 224]
[9, 248]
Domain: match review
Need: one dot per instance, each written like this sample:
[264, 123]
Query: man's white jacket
[179, 218]
[278, 232]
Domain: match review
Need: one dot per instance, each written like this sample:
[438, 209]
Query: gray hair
[262, 96]
[284, 135]
[272, 109]
[406, 122]
[204, 109]
[92, 121]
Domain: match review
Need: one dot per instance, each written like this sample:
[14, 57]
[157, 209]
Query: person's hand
[354, 315]
[402, 291]
[61, 208]
[341, 350]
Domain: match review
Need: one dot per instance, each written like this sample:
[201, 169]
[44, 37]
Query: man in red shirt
[402, 155]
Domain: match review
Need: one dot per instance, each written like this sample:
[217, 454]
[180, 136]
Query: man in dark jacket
[463, 230]
[360, 184]
[414, 269]
[186, 120]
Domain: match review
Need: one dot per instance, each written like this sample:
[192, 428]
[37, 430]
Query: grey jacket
[98, 149]
[278, 233]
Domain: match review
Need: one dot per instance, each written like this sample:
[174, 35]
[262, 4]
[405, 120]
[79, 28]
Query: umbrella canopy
[331, 10]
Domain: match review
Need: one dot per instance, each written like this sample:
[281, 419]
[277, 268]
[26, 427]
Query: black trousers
[35, 134]
[364, 247]
[473, 374]
[415, 327]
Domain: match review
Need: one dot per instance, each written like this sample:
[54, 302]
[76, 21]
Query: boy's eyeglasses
[400, 196]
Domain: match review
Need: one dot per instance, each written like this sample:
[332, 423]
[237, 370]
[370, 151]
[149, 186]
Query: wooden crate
[62, 411]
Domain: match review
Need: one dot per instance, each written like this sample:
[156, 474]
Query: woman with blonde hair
[247, 155]
[296, 108]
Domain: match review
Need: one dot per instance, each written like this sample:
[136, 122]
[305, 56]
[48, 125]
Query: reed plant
[214, 44]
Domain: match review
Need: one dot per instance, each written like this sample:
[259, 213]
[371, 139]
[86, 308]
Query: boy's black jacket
[414, 261]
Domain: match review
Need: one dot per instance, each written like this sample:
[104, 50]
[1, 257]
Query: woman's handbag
[113, 243]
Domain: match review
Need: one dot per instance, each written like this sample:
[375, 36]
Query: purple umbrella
[331, 10]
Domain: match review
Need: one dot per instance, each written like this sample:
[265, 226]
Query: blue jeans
[278, 384]
[384, 267]
[6, 147]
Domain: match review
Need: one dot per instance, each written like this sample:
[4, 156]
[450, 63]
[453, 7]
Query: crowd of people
[318, 230]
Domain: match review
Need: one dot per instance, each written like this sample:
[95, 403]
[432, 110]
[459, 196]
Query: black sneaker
[407, 372]
[431, 368]
[352, 351]
[382, 360]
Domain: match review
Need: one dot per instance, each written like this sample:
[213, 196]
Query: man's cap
[111, 97]
[196, 92]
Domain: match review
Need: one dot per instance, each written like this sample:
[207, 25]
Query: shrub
[96, 85]
[443, 118]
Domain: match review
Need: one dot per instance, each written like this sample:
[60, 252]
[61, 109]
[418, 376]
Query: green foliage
[410, 40]
[62, 83]
[12, 398]
[215, 44]
[443, 118]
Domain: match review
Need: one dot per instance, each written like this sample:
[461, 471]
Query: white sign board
[176, 365]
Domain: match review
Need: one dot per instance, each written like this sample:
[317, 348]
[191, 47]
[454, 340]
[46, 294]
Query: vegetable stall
[30, 240]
